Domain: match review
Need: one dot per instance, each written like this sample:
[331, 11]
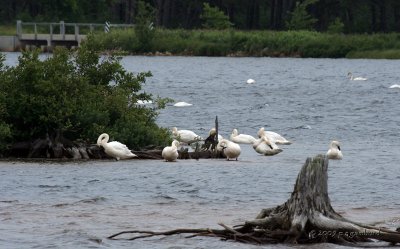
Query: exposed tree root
[306, 217]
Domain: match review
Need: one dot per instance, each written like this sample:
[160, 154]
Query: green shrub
[77, 95]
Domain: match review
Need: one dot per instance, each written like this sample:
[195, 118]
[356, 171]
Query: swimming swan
[351, 77]
[272, 136]
[241, 138]
[394, 86]
[264, 146]
[250, 81]
[231, 150]
[334, 151]
[182, 104]
[185, 136]
[170, 153]
[114, 149]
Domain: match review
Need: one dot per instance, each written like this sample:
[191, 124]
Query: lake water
[309, 101]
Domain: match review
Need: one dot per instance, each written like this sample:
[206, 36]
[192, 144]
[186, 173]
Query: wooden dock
[51, 34]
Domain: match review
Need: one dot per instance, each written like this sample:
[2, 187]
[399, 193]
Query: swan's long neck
[103, 139]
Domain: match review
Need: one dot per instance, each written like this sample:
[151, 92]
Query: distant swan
[231, 150]
[182, 104]
[334, 151]
[185, 136]
[250, 81]
[170, 153]
[273, 136]
[241, 138]
[350, 75]
[114, 149]
[144, 102]
[395, 86]
[266, 147]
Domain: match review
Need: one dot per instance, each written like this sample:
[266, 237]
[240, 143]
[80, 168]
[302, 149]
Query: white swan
[264, 146]
[170, 153]
[241, 138]
[250, 81]
[114, 149]
[394, 86]
[144, 102]
[231, 150]
[351, 77]
[182, 104]
[185, 136]
[334, 151]
[272, 136]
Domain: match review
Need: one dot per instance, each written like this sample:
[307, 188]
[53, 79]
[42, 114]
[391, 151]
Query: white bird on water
[185, 136]
[241, 138]
[114, 149]
[272, 136]
[170, 153]
[334, 151]
[394, 86]
[351, 77]
[182, 104]
[264, 146]
[250, 81]
[231, 150]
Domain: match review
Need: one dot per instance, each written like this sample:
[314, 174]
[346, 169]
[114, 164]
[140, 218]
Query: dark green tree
[144, 26]
[300, 19]
[214, 18]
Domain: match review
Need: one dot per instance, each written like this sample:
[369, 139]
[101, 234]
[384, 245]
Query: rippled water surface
[309, 101]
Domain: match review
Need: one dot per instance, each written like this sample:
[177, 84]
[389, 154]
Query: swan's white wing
[118, 146]
[187, 136]
[243, 139]
[276, 138]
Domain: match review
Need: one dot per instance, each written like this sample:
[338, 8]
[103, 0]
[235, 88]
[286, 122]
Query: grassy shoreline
[237, 43]
[302, 44]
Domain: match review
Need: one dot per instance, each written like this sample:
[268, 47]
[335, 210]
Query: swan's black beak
[270, 146]
[338, 147]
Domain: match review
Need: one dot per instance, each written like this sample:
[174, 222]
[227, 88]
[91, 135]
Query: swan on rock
[334, 151]
[241, 138]
[114, 149]
[213, 131]
[185, 136]
[272, 136]
[265, 147]
[170, 153]
[351, 77]
[231, 150]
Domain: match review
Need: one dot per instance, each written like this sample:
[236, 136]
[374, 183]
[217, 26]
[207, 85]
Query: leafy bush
[77, 95]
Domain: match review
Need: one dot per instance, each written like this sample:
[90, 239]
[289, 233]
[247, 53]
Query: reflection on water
[309, 101]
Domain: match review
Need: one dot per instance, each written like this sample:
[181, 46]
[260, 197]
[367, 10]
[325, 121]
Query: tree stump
[306, 217]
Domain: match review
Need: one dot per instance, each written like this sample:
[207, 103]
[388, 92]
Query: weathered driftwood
[306, 217]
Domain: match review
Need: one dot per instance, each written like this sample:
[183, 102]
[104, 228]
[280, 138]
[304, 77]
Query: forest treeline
[357, 16]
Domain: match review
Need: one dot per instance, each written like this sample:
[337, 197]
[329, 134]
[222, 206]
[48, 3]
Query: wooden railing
[52, 32]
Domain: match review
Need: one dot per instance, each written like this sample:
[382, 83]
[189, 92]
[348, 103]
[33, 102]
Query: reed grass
[8, 30]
